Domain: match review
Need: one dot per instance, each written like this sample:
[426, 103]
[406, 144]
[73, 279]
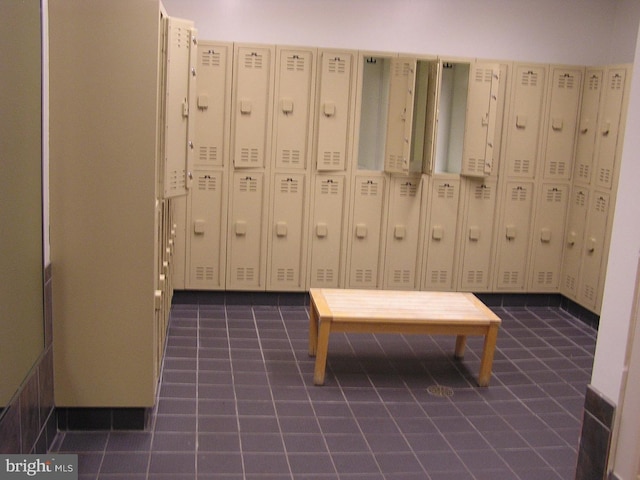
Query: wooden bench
[385, 311]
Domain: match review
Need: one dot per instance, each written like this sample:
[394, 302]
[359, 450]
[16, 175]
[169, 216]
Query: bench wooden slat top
[447, 308]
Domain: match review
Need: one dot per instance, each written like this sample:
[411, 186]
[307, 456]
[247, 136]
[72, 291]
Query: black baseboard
[102, 418]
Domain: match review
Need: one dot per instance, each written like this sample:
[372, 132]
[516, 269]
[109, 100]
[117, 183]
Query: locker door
[213, 102]
[572, 258]
[207, 231]
[476, 234]
[334, 124]
[252, 105]
[295, 90]
[513, 236]
[179, 266]
[609, 126]
[587, 126]
[523, 131]
[440, 236]
[246, 255]
[400, 117]
[178, 81]
[402, 237]
[592, 273]
[326, 230]
[365, 232]
[287, 244]
[480, 124]
[430, 71]
[561, 122]
[548, 238]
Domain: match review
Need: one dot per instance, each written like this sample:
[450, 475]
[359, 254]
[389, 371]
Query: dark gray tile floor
[237, 401]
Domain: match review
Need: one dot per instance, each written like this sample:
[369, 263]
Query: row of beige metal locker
[288, 191]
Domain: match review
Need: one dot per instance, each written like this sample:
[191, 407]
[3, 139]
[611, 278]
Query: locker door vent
[364, 275]
[180, 37]
[583, 171]
[601, 205]
[402, 276]
[289, 185]
[249, 155]
[245, 274]
[521, 166]
[324, 275]
[484, 75]
[285, 274]
[554, 195]
[557, 167]
[253, 60]
[529, 79]
[510, 278]
[545, 278]
[408, 189]
[290, 157]
[589, 292]
[210, 58]
[248, 185]
[474, 165]
[295, 63]
[580, 199]
[204, 273]
[615, 82]
[519, 194]
[208, 154]
[337, 65]
[331, 159]
[483, 192]
[207, 182]
[369, 189]
[177, 179]
[605, 176]
[446, 191]
[594, 82]
[439, 276]
[395, 162]
[566, 81]
[570, 282]
[330, 188]
[475, 277]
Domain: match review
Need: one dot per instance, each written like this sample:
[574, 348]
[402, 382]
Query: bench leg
[461, 343]
[321, 353]
[487, 356]
[313, 330]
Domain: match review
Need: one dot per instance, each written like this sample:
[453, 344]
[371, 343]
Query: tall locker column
[206, 224]
[574, 241]
[588, 125]
[252, 104]
[331, 166]
[292, 148]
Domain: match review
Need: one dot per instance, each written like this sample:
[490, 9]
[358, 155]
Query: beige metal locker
[427, 97]
[440, 234]
[295, 90]
[476, 234]
[588, 125]
[401, 263]
[213, 104]
[179, 266]
[593, 271]
[400, 117]
[566, 88]
[207, 231]
[179, 90]
[482, 115]
[513, 236]
[609, 126]
[365, 232]
[336, 70]
[548, 237]
[574, 241]
[246, 245]
[287, 239]
[252, 105]
[326, 231]
[525, 120]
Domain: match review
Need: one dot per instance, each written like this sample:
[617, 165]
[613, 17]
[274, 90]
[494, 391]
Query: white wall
[554, 31]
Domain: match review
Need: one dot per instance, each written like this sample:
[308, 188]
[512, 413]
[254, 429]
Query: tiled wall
[28, 425]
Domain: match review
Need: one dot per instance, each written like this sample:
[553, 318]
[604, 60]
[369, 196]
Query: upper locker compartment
[179, 88]
[469, 103]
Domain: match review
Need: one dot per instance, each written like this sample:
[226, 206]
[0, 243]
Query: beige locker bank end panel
[102, 215]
